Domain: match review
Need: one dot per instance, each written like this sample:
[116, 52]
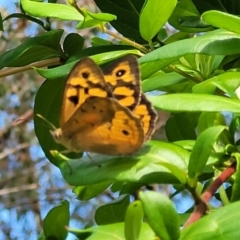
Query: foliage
[196, 68]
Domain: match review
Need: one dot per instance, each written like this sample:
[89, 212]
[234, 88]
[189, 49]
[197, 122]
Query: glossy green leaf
[130, 187]
[181, 126]
[72, 44]
[218, 42]
[210, 119]
[161, 80]
[94, 19]
[127, 12]
[113, 211]
[27, 17]
[133, 220]
[90, 191]
[176, 37]
[236, 185]
[1, 23]
[56, 220]
[178, 173]
[230, 6]
[192, 22]
[43, 9]
[45, 46]
[97, 41]
[202, 150]
[221, 224]
[222, 20]
[227, 82]
[184, 9]
[153, 17]
[195, 103]
[101, 58]
[48, 104]
[143, 167]
[112, 232]
[161, 215]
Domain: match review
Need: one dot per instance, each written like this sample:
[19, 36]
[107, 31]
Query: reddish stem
[202, 207]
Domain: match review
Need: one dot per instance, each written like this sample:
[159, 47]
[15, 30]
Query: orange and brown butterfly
[105, 112]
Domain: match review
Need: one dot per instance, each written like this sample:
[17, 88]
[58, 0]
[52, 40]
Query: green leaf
[161, 215]
[130, 188]
[112, 212]
[90, 191]
[27, 17]
[56, 220]
[162, 80]
[101, 58]
[178, 173]
[43, 9]
[1, 23]
[236, 185]
[222, 20]
[143, 167]
[192, 22]
[210, 119]
[45, 46]
[112, 232]
[48, 104]
[202, 150]
[195, 103]
[221, 224]
[185, 8]
[218, 42]
[230, 6]
[181, 126]
[227, 82]
[133, 220]
[127, 12]
[94, 19]
[153, 17]
[73, 43]
[97, 41]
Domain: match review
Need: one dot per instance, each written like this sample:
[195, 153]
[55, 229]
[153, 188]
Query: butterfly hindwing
[148, 116]
[127, 87]
[102, 125]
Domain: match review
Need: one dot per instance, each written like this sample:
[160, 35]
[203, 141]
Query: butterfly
[105, 112]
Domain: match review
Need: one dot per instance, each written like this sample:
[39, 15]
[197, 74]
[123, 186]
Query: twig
[13, 150]
[201, 208]
[45, 63]
[22, 119]
[124, 39]
[17, 189]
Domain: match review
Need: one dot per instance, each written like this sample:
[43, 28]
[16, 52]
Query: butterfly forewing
[85, 80]
[123, 77]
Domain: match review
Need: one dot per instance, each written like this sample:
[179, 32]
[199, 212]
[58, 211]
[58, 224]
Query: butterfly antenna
[44, 119]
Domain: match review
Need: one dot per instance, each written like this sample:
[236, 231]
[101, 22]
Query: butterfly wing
[123, 77]
[85, 80]
[148, 116]
[103, 126]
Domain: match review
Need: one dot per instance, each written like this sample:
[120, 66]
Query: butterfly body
[105, 112]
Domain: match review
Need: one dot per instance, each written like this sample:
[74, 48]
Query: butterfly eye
[85, 75]
[125, 132]
[120, 73]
